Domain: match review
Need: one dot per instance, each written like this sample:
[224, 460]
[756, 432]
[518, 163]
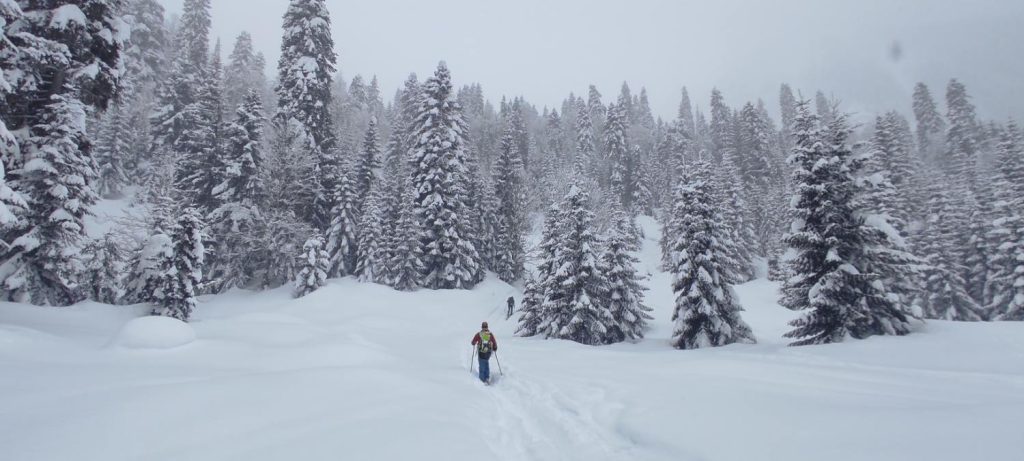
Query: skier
[485, 344]
[511, 306]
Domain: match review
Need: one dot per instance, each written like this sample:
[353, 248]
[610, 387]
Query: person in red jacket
[485, 344]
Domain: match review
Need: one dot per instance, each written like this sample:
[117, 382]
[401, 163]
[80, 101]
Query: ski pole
[499, 363]
[471, 360]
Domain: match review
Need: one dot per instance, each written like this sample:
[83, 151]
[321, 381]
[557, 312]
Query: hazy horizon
[545, 50]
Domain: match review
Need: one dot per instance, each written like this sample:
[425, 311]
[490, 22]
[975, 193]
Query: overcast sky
[543, 49]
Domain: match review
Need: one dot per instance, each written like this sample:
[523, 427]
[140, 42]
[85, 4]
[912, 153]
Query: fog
[868, 53]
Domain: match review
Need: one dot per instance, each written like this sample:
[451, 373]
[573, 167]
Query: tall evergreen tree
[707, 313]
[575, 295]
[368, 165]
[625, 295]
[244, 72]
[719, 126]
[511, 214]
[304, 94]
[930, 125]
[342, 236]
[617, 151]
[832, 267]
[182, 268]
[438, 162]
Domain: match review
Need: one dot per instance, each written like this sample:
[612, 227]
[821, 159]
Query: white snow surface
[358, 371]
[154, 332]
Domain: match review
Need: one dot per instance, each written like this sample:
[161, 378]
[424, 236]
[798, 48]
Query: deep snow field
[361, 372]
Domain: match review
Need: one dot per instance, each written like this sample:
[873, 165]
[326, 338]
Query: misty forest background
[237, 180]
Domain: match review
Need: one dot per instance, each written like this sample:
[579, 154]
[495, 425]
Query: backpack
[484, 347]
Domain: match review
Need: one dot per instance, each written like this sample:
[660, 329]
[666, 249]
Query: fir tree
[368, 164]
[930, 125]
[104, 270]
[533, 303]
[832, 276]
[342, 236]
[719, 126]
[575, 294]
[304, 94]
[55, 179]
[617, 152]
[372, 251]
[244, 72]
[585, 149]
[181, 273]
[944, 294]
[438, 161]
[511, 215]
[1007, 281]
[707, 313]
[313, 265]
[406, 264]
[625, 294]
[112, 150]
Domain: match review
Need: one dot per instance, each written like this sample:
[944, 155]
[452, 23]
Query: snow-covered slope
[361, 372]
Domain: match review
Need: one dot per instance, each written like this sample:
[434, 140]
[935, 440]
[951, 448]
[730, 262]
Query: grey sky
[543, 49]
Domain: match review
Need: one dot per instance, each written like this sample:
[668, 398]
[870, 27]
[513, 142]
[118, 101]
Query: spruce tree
[832, 277]
[1007, 282]
[533, 305]
[585, 149]
[719, 125]
[368, 164]
[244, 72]
[438, 162]
[617, 152]
[112, 152]
[511, 214]
[930, 125]
[406, 265]
[342, 235]
[313, 263]
[181, 274]
[944, 295]
[372, 252]
[104, 270]
[707, 313]
[304, 95]
[575, 295]
[625, 295]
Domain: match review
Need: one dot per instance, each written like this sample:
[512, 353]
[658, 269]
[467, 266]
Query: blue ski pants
[485, 368]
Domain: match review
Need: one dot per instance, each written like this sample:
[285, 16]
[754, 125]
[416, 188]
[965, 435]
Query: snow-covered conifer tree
[368, 164]
[831, 270]
[440, 179]
[930, 125]
[304, 95]
[511, 215]
[707, 313]
[342, 236]
[576, 292]
[181, 268]
[625, 295]
[313, 265]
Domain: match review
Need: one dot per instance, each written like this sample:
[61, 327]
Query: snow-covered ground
[360, 372]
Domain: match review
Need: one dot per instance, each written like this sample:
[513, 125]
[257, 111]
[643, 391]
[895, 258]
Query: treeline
[255, 184]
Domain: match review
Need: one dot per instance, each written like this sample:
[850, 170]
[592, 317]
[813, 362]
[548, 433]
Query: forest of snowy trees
[252, 179]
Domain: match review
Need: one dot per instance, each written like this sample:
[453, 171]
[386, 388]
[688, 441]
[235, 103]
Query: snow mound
[154, 332]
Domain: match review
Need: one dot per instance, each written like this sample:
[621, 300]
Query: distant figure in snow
[485, 344]
[511, 306]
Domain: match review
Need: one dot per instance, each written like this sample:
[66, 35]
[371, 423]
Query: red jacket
[494, 342]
